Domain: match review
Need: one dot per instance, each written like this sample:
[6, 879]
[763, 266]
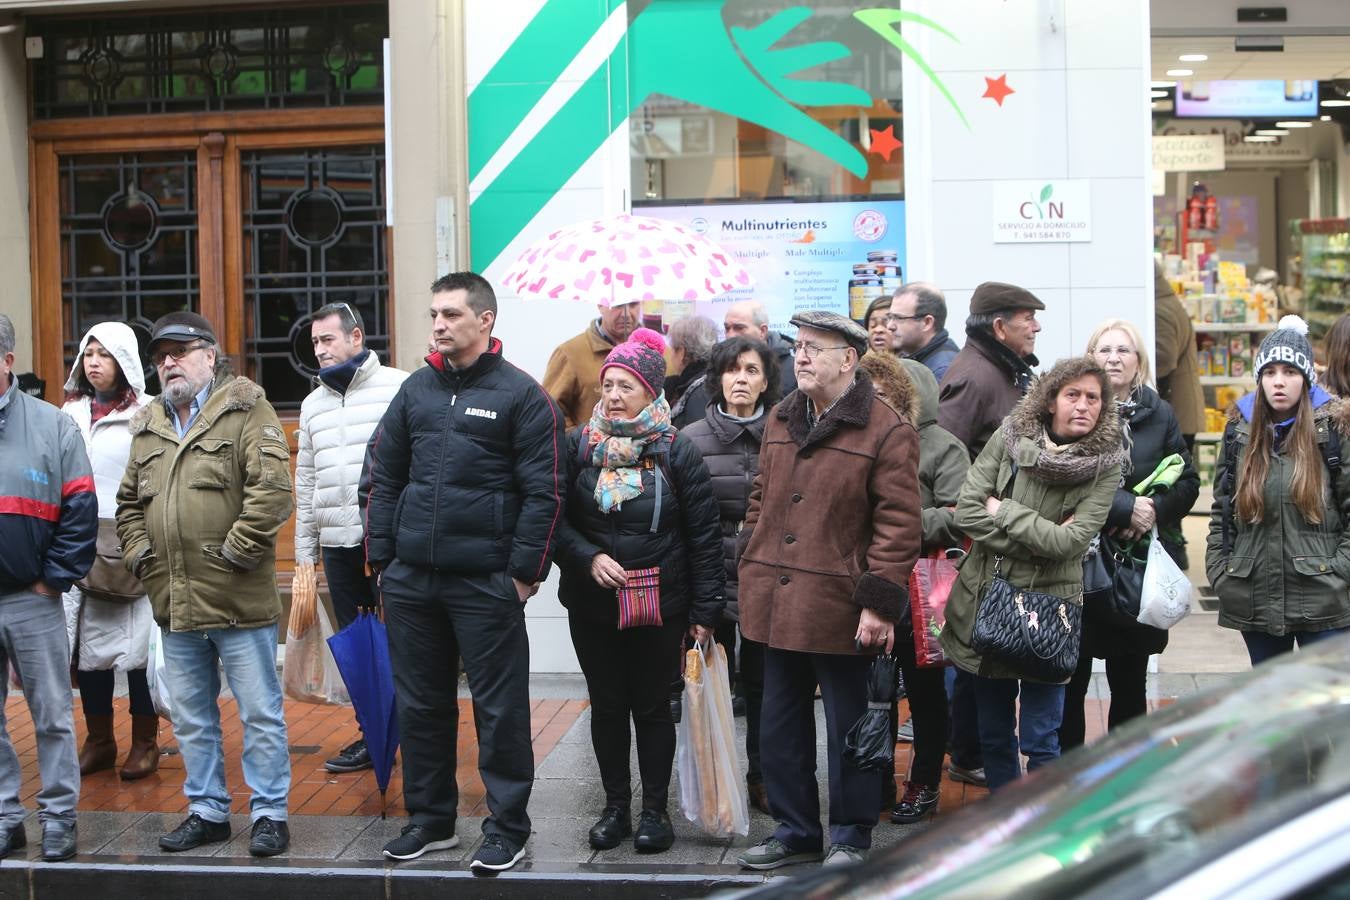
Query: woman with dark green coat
[1036, 495]
[1279, 551]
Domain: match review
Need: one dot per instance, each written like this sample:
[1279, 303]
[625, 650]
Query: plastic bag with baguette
[712, 791]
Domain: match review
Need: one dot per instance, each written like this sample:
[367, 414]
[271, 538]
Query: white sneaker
[844, 855]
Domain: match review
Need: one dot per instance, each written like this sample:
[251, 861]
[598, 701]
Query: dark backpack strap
[584, 447]
[1230, 460]
[1331, 455]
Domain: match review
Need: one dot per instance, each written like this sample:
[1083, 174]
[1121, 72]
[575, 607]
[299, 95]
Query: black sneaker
[194, 832]
[270, 837]
[353, 758]
[495, 855]
[414, 840]
[613, 827]
[58, 841]
[15, 838]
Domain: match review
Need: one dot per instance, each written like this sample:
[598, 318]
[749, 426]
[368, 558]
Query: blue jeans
[250, 659]
[1003, 737]
[1262, 646]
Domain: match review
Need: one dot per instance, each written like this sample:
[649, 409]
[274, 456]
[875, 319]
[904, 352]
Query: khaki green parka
[1284, 574]
[198, 517]
[1039, 552]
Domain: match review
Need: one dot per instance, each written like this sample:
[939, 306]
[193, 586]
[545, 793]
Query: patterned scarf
[616, 447]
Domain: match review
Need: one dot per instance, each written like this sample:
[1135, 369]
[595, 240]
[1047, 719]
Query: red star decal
[884, 142]
[997, 88]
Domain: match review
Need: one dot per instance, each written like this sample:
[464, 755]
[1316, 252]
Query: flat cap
[995, 296]
[182, 326]
[823, 320]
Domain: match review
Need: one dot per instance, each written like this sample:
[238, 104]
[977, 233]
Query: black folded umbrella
[870, 743]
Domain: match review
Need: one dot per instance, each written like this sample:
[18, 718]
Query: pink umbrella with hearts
[624, 259]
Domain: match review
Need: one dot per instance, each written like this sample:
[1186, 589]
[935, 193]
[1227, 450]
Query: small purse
[640, 598]
[108, 578]
[1036, 634]
[1118, 605]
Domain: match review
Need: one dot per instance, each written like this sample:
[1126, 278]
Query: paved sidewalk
[337, 834]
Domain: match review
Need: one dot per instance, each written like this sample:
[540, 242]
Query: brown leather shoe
[143, 758]
[100, 747]
[759, 798]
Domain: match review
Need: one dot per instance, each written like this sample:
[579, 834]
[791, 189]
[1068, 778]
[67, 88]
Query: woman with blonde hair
[1150, 433]
[1279, 548]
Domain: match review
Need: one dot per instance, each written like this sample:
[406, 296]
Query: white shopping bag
[156, 676]
[712, 791]
[1166, 597]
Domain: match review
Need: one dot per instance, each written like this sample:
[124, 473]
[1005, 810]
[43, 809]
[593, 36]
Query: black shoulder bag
[1034, 633]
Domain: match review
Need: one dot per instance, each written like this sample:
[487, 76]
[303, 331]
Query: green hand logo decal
[679, 48]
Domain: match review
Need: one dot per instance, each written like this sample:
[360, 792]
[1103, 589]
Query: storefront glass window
[757, 100]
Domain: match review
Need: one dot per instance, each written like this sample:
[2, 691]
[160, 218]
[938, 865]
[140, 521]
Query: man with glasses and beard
[206, 490]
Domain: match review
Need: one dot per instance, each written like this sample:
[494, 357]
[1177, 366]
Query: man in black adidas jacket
[462, 494]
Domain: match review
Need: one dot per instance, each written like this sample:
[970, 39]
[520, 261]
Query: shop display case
[1324, 251]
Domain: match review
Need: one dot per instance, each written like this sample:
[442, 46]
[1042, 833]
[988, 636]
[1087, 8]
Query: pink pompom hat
[643, 354]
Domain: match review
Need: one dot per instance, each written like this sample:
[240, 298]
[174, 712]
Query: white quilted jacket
[333, 432]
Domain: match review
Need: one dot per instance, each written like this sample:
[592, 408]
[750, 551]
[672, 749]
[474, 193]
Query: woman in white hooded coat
[105, 389]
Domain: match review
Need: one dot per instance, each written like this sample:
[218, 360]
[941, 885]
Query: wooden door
[254, 220]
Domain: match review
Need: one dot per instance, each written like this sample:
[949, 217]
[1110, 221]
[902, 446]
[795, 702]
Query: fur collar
[854, 409]
[902, 394]
[1025, 439]
[239, 394]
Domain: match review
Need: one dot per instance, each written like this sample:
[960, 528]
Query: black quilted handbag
[1033, 633]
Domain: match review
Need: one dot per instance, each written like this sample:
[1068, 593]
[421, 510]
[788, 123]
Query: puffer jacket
[1037, 550]
[48, 510]
[334, 429]
[105, 634]
[684, 541]
[730, 450]
[1153, 433]
[464, 475]
[199, 516]
[1283, 574]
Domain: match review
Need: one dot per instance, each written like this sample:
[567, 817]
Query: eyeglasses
[157, 358]
[891, 317]
[812, 351]
[1118, 351]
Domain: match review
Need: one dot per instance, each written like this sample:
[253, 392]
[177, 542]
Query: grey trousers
[33, 640]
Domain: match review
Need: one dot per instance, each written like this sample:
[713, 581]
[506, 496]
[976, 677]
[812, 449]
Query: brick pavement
[319, 732]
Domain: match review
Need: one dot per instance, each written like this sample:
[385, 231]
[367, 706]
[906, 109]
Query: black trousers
[926, 689]
[964, 740]
[1127, 678]
[96, 692]
[787, 748]
[434, 619]
[752, 683]
[350, 587]
[628, 679]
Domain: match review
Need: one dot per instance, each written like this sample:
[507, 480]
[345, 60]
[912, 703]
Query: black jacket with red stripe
[464, 474]
[48, 508]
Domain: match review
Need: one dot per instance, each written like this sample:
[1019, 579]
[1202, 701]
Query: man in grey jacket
[352, 392]
[48, 527]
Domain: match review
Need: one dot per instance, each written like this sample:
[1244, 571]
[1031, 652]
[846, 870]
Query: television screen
[1247, 99]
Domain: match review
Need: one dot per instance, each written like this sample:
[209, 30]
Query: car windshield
[1148, 803]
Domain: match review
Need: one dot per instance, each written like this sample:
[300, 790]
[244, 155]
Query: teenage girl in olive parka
[1279, 551]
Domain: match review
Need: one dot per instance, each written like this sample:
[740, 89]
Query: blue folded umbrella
[361, 651]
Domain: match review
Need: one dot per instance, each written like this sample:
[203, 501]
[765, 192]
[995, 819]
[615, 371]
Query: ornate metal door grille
[313, 233]
[213, 60]
[128, 240]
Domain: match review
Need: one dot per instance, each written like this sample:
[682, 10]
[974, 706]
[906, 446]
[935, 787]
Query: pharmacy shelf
[1329, 276]
[1220, 380]
[1209, 437]
[1234, 326]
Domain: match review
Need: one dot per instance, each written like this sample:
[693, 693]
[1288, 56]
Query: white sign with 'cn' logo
[1042, 212]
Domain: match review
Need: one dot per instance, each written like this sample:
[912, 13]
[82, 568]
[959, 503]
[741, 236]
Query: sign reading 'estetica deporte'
[1042, 212]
